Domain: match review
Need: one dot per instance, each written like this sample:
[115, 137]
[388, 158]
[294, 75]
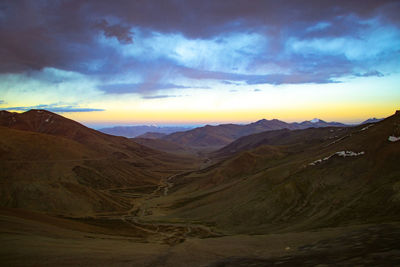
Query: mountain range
[212, 137]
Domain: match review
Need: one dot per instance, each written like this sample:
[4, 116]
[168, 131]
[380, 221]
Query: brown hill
[55, 165]
[42, 121]
[207, 136]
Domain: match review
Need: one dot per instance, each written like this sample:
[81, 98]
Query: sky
[186, 62]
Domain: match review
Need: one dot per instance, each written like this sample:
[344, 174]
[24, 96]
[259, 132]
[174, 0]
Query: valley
[279, 196]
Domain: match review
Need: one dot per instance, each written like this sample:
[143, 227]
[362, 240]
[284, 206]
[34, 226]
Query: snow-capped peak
[315, 120]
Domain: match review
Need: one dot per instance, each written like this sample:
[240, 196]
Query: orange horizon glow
[345, 114]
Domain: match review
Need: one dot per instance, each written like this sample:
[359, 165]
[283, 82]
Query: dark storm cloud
[122, 33]
[65, 35]
[59, 34]
[38, 34]
[206, 18]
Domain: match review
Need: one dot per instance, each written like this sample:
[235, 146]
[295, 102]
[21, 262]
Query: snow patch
[315, 120]
[340, 154]
[366, 127]
[349, 153]
[47, 120]
[394, 138]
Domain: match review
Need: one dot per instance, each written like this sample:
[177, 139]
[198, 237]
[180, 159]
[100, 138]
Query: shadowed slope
[151, 135]
[298, 184]
[300, 139]
[162, 145]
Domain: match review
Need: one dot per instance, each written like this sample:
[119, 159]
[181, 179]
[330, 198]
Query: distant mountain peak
[371, 120]
[261, 121]
[315, 120]
[39, 111]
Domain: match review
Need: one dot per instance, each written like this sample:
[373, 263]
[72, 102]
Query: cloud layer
[56, 108]
[154, 49]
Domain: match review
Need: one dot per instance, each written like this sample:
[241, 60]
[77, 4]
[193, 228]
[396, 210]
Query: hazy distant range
[152, 131]
[134, 131]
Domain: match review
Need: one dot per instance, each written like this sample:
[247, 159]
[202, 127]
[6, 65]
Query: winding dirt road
[164, 232]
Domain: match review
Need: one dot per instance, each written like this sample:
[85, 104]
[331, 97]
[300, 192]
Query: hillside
[163, 145]
[45, 122]
[295, 180]
[151, 135]
[58, 166]
[302, 139]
